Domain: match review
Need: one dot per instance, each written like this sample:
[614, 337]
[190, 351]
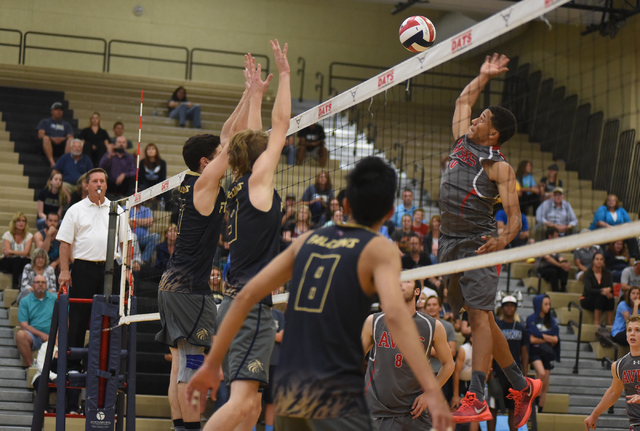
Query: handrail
[301, 71]
[415, 167]
[265, 69]
[155, 45]
[19, 45]
[575, 304]
[530, 289]
[69, 36]
[320, 87]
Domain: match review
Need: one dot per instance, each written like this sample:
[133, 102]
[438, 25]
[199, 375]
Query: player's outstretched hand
[419, 406]
[590, 422]
[491, 244]
[281, 56]
[253, 76]
[198, 386]
[494, 65]
[633, 399]
[441, 419]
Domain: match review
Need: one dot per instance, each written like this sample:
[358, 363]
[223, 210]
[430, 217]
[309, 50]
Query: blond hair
[12, 224]
[245, 148]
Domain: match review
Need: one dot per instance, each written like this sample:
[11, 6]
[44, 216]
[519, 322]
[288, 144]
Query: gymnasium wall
[320, 31]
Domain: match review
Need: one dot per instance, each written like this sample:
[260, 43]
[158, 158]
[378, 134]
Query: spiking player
[393, 394]
[336, 270]
[476, 175]
[186, 305]
[626, 376]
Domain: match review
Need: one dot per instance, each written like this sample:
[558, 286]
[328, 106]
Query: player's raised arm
[492, 67]
[610, 397]
[385, 264]
[261, 181]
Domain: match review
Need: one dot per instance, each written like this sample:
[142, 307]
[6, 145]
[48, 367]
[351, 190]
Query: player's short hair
[504, 122]
[197, 147]
[634, 318]
[245, 148]
[371, 188]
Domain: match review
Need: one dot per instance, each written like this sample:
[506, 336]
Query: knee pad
[191, 357]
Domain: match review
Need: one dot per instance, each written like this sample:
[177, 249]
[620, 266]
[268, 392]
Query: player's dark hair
[627, 296]
[371, 187]
[550, 232]
[245, 148]
[197, 147]
[547, 317]
[504, 122]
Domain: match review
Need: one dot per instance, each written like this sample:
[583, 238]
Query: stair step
[16, 395]
[23, 407]
[12, 373]
[10, 362]
[17, 418]
[9, 352]
[14, 428]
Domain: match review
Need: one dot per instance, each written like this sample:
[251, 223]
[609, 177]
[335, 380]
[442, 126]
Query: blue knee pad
[191, 358]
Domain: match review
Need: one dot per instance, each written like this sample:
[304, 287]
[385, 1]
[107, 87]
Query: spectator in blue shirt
[147, 241]
[56, 134]
[529, 189]
[612, 214]
[73, 165]
[34, 314]
[523, 236]
[403, 209]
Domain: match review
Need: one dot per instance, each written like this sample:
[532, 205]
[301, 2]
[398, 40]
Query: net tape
[482, 32]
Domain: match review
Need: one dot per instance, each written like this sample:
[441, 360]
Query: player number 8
[398, 360]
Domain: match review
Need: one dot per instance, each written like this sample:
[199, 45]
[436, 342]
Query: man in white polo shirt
[86, 228]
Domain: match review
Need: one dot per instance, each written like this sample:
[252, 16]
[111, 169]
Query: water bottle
[519, 298]
[162, 204]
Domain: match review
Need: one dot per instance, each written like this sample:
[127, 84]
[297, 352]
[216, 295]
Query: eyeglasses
[39, 282]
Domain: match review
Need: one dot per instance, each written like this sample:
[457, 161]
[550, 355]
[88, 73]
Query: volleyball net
[571, 89]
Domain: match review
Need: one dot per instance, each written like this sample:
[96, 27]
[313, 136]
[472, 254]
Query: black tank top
[254, 235]
[190, 264]
[320, 370]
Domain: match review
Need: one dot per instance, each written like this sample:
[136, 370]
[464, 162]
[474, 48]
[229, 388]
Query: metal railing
[265, 68]
[320, 86]
[102, 53]
[301, 72]
[11, 45]
[154, 45]
[575, 304]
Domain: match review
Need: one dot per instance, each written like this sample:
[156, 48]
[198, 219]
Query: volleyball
[417, 33]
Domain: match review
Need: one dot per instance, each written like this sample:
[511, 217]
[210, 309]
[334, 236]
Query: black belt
[98, 262]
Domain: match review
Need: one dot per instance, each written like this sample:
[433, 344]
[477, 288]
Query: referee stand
[110, 360]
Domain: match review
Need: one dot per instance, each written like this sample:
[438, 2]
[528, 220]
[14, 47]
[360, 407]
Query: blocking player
[625, 374]
[186, 305]
[336, 270]
[255, 216]
[393, 394]
[476, 175]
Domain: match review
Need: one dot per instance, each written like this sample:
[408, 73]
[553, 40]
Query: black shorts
[267, 393]
[186, 315]
[538, 354]
[349, 423]
[504, 385]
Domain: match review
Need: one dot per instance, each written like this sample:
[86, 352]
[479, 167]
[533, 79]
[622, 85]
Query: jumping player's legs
[190, 358]
[174, 403]
[242, 410]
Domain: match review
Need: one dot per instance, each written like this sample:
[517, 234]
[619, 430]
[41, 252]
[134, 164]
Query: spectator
[289, 150]
[216, 284]
[120, 167]
[317, 196]
[554, 268]
[164, 249]
[583, 258]
[73, 165]
[289, 213]
[327, 216]
[56, 135]
[118, 130]
[616, 259]
[430, 242]
[152, 169]
[46, 239]
[447, 314]
[612, 214]
[338, 218]
[523, 236]
[51, 199]
[182, 110]
[550, 182]
[462, 377]
[82, 190]
[415, 257]
[529, 189]
[302, 225]
[597, 295]
[34, 313]
[401, 236]
[418, 226]
[16, 248]
[518, 341]
[95, 140]
[403, 209]
[39, 266]
[147, 241]
[72, 395]
[544, 342]
[627, 307]
[630, 277]
[556, 212]
[311, 140]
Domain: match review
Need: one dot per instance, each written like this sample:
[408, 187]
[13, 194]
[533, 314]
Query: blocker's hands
[281, 56]
[253, 75]
[494, 65]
